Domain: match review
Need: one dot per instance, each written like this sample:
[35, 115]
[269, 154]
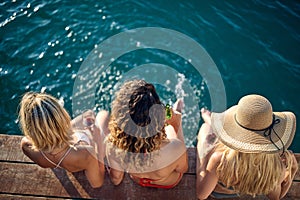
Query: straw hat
[252, 126]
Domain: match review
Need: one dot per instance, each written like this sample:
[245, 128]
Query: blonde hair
[251, 173]
[44, 121]
[130, 142]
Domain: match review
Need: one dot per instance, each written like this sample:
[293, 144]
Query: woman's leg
[178, 107]
[102, 120]
[101, 130]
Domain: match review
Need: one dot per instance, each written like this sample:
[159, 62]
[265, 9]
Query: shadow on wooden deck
[22, 179]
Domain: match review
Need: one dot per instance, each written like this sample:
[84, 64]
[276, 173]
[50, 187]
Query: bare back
[169, 163]
[76, 158]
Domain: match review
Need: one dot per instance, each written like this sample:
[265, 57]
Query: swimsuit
[147, 182]
[60, 161]
[219, 195]
[81, 136]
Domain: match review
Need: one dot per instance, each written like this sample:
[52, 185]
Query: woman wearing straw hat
[248, 153]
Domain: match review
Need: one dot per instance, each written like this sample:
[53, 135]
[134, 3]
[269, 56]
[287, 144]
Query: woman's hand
[176, 119]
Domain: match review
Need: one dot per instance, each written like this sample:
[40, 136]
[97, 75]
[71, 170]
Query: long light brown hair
[133, 102]
[251, 173]
[44, 121]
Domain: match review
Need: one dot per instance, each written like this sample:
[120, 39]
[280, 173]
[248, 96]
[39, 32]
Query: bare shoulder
[25, 142]
[174, 146]
[27, 146]
[83, 151]
[83, 154]
[32, 153]
[171, 152]
[79, 158]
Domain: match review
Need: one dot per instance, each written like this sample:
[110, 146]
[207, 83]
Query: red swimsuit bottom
[147, 182]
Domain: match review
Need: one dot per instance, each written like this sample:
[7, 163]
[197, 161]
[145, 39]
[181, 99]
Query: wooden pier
[20, 178]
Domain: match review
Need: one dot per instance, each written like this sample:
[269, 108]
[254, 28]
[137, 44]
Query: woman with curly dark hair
[141, 141]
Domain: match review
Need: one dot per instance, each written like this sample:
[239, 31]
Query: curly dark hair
[137, 123]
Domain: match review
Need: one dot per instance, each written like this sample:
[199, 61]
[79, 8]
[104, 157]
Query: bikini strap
[50, 161]
[63, 157]
[60, 161]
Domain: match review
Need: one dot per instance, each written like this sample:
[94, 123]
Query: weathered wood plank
[34, 181]
[10, 148]
[192, 160]
[25, 197]
[30, 179]
[297, 175]
[294, 192]
[21, 179]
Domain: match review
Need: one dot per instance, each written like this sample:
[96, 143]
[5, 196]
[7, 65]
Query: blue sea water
[254, 44]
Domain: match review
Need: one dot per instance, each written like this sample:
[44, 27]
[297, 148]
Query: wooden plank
[34, 182]
[30, 179]
[294, 192]
[192, 160]
[20, 178]
[25, 197]
[10, 149]
[297, 175]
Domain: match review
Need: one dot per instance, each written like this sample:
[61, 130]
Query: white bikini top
[61, 159]
[82, 136]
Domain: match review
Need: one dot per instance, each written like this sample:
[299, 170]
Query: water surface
[255, 45]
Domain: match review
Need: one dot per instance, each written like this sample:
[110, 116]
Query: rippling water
[255, 45]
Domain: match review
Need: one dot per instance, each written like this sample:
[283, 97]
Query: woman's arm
[289, 176]
[102, 121]
[275, 194]
[30, 152]
[114, 170]
[206, 163]
[286, 180]
[26, 145]
[116, 176]
[207, 178]
[174, 129]
[102, 130]
[94, 171]
[182, 163]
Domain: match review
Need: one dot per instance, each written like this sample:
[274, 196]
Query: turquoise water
[254, 44]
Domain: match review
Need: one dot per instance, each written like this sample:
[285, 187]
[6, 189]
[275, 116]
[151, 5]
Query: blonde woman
[51, 142]
[140, 142]
[249, 154]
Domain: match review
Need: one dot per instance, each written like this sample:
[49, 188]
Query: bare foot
[206, 115]
[178, 105]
